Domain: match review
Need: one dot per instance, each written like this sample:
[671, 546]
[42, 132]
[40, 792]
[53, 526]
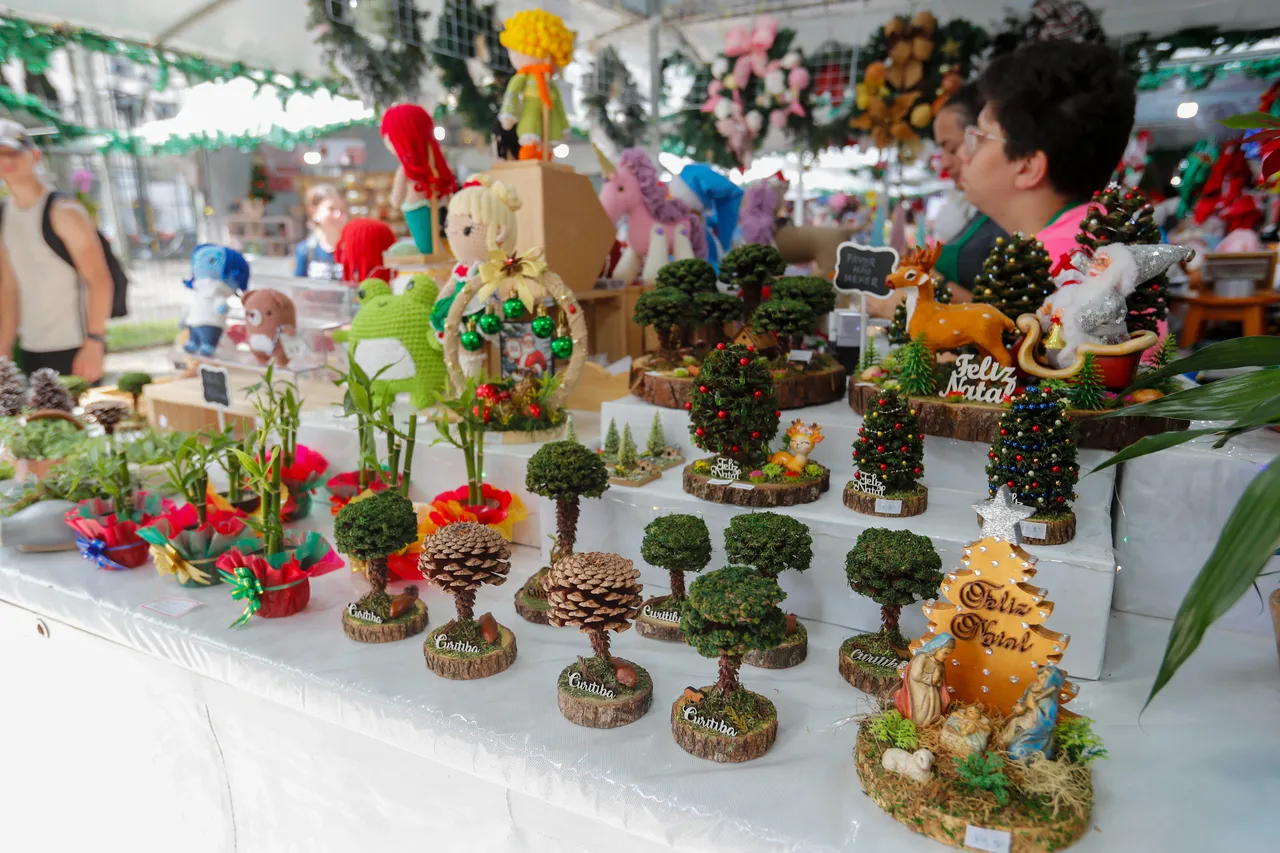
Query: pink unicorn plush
[659, 228]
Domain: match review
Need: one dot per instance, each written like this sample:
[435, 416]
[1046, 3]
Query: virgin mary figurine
[1029, 728]
[923, 698]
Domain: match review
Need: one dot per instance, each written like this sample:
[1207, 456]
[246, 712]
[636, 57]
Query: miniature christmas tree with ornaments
[679, 544]
[461, 558]
[1015, 277]
[772, 543]
[730, 612]
[1034, 456]
[889, 457]
[973, 737]
[1120, 214]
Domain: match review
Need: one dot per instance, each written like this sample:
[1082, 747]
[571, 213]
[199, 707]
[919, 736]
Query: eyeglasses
[975, 136]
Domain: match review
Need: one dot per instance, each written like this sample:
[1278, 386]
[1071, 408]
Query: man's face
[948, 132]
[989, 176]
[17, 163]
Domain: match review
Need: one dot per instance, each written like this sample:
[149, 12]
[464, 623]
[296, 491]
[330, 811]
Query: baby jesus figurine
[966, 731]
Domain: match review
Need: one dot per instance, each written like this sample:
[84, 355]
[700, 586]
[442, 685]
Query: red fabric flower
[277, 603]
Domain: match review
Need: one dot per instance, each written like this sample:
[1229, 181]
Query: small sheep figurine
[917, 765]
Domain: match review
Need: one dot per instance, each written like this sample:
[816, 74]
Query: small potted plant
[187, 547]
[373, 416]
[368, 530]
[33, 516]
[730, 612]
[563, 472]
[598, 593]
[772, 544]
[460, 559]
[679, 544]
[238, 495]
[280, 411]
[40, 441]
[107, 530]
[894, 568]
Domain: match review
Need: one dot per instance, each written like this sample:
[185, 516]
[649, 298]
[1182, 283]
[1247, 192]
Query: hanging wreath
[381, 68]
[473, 65]
[613, 100]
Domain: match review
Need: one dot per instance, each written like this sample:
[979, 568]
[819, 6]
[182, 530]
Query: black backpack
[119, 302]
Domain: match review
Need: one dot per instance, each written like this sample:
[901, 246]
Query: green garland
[16, 102]
[609, 75]
[383, 74]
[1146, 52]
[477, 106]
[1200, 74]
[32, 44]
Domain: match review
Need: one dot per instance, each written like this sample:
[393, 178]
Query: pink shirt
[1059, 236]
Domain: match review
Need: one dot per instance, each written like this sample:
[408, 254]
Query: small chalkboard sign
[215, 386]
[864, 268]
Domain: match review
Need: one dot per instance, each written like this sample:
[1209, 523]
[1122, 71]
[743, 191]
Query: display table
[184, 734]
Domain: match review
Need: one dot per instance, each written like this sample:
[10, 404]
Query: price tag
[173, 607]
[990, 840]
[652, 373]
[745, 486]
[720, 482]
[801, 355]
[884, 506]
[1034, 529]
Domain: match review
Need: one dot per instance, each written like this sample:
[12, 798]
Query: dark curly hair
[1075, 102]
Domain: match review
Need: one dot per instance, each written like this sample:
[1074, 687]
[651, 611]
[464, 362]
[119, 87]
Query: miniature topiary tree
[894, 568]
[657, 443]
[730, 612]
[628, 456]
[918, 377]
[13, 388]
[890, 446]
[370, 530]
[668, 310]
[678, 543]
[789, 319]
[816, 292]
[46, 392]
[714, 309]
[1121, 214]
[132, 384]
[1086, 390]
[773, 543]
[612, 441]
[734, 410]
[565, 471]
[1035, 456]
[751, 267]
[1015, 277]
[690, 276]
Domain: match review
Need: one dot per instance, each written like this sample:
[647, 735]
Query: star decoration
[951, 48]
[1001, 514]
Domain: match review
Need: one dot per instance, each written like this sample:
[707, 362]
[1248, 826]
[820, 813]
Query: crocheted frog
[392, 334]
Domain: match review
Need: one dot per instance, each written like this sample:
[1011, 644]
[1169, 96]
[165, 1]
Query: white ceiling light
[1188, 109]
[561, 151]
[440, 133]
[1175, 181]
[312, 158]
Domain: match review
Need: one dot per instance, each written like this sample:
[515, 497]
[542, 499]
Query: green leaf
[1152, 444]
[1225, 400]
[1249, 121]
[1248, 540]
[1257, 351]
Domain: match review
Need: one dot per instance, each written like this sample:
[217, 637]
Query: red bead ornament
[719, 346]
[1004, 432]
[777, 413]
[1035, 485]
[991, 454]
[698, 431]
[744, 361]
[750, 348]
[879, 448]
[734, 449]
[897, 426]
[722, 414]
[1059, 498]
[905, 448]
[884, 467]
[688, 406]
[1035, 428]
[757, 394]
[755, 433]
[880, 402]
[702, 389]
[1011, 484]
[916, 470]
[1056, 469]
[573, 309]
[1018, 457]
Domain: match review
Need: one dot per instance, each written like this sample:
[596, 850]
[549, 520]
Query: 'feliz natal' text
[981, 596]
[443, 642]
[672, 616]
[691, 715]
[578, 683]
[966, 373]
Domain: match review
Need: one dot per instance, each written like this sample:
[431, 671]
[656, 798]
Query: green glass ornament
[489, 324]
[513, 309]
[543, 326]
[562, 347]
[471, 340]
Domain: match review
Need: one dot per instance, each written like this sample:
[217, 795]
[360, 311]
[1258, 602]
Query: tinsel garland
[609, 82]
[32, 44]
[381, 74]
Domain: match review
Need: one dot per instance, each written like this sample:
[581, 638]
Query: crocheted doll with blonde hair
[482, 219]
[539, 45]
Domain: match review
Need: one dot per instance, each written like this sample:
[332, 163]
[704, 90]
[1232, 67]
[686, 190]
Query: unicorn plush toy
[659, 229]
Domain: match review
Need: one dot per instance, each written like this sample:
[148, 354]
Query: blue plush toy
[705, 189]
[217, 273]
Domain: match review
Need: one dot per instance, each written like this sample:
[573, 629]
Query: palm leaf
[1258, 351]
[1225, 400]
[1152, 444]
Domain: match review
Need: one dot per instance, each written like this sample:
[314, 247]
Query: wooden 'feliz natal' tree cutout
[995, 615]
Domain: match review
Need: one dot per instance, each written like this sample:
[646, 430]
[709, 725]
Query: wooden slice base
[794, 390]
[791, 653]
[865, 502]
[467, 668]
[761, 495]
[861, 677]
[535, 610]
[1029, 833]
[634, 483]
[386, 632]
[705, 743]
[600, 712]
[1058, 531]
[537, 436]
[657, 629]
[981, 421]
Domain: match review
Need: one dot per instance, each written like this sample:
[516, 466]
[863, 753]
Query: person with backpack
[57, 287]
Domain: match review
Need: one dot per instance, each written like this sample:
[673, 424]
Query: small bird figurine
[488, 628]
[404, 602]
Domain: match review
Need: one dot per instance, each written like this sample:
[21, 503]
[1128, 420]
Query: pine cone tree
[1015, 278]
[1119, 214]
[593, 591]
[47, 392]
[107, 414]
[462, 557]
[13, 388]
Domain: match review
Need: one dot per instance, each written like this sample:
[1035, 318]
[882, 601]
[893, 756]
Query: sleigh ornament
[1117, 363]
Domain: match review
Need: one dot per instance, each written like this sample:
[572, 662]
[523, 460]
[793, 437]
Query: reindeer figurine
[801, 439]
[948, 327]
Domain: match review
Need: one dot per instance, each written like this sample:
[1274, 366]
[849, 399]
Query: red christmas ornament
[1018, 457]
[755, 433]
[719, 346]
[757, 394]
[698, 432]
[744, 361]
[702, 389]
[777, 413]
[1056, 469]
[734, 449]
[905, 448]
[688, 406]
[535, 411]
[880, 402]
[884, 467]
[991, 454]
[916, 470]
[573, 309]
[750, 348]
[1059, 498]
[1004, 432]
[879, 448]
[1035, 428]
[1011, 484]
[897, 426]
[1035, 485]
[722, 414]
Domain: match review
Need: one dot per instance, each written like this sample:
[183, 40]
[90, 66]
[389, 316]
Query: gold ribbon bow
[518, 274]
[170, 562]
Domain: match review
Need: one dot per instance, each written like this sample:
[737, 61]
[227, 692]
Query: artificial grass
[457, 631]
[601, 672]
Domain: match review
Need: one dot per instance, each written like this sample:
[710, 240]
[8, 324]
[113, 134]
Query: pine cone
[13, 388]
[594, 591]
[107, 414]
[47, 392]
[465, 556]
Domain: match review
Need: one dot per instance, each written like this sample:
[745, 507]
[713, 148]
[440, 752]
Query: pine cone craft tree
[1122, 215]
[1015, 277]
[13, 388]
[460, 558]
[594, 592]
[107, 414]
[47, 392]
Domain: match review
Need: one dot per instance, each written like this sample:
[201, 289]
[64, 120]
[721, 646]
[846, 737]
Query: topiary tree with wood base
[729, 613]
[667, 310]
[894, 568]
[678, 543]
[734, 411]
[565, 472]
[132, 384]
[788, 319]
[370, 530]
[751, 267]
[773, 543]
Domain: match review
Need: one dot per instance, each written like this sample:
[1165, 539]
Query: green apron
[948, 264]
